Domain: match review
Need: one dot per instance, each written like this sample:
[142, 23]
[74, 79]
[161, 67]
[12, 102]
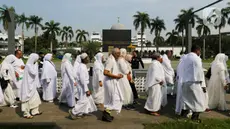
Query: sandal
[37, 114]
[155, 114]
[28, 117]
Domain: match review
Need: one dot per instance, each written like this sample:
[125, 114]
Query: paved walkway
[125, 120]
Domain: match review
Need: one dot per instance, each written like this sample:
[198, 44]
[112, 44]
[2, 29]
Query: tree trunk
[219, 41]
[36, 34]
[203, 48]
[22, 47]
[66, 44]
[182, 42]
[142, 43]
[51, 46]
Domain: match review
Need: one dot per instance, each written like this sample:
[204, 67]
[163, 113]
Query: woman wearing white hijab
[29, 94]
[124, 83]
[68, 81]
[49, 78]
[98, 77]
[7, 73]
[85, 104]
[218, 83]
[76, 64]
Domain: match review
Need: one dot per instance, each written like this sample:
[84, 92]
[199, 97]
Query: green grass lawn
[187, 124]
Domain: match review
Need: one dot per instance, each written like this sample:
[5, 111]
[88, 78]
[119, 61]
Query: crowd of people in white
[113, 85]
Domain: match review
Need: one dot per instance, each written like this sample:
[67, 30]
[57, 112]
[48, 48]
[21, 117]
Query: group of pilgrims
[113, 83]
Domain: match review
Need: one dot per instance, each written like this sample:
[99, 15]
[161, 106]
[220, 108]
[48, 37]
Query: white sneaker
[14, 106]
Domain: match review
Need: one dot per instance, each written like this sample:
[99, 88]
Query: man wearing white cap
[85, 104]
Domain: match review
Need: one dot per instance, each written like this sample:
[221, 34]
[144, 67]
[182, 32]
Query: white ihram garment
[98, 75]
[193, 77]
[29, 94]
[169, 72]
[18, 84]
[49, 78]
[124, 83]
[217, 82]
[179, 102]
[85, 104]
[154, 76]
[113, 95]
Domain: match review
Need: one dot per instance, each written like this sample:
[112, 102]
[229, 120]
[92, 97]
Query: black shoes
[107, 117]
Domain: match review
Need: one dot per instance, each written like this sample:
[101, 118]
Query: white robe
[29, 94]
[154, 76]
[76, 64]
[49, 79]
[1, 96]
[85, 104]
[169, 71]
[193, 75]
[216, 86]
[18, 84]
[179, 102]
[113, 95]
[9, 96]
[67, 92]
[124, 83]
[98, 75]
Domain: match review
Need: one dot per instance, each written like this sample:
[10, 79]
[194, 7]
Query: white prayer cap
[83, 56]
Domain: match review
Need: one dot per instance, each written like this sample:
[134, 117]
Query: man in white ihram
[169, 71]
[113, 95]
[19, 71]
[155, 80]
[193, 91]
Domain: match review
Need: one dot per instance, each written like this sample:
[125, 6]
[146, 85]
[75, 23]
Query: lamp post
[189, 25]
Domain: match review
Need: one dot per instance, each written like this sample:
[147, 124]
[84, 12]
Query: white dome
[118, 26]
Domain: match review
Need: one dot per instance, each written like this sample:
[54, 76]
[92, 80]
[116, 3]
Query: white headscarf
[7, 64]
[98, 61]
[123, 52]
[220, 60]
[48, 70]
[30, 80]
[77, 61]
[67, 57]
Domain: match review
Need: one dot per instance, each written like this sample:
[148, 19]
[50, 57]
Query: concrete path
[125, 120]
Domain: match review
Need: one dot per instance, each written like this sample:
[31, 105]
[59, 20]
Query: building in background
[117, 36]
[95, 37]
[4, 43]
[136, 40]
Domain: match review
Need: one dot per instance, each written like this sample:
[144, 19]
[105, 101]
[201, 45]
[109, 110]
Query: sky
[95, 15]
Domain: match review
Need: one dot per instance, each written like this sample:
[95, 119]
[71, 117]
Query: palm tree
[23, 21]
[3, 15]
[172, 36]
[157, 25]
[67, 34]
[158, 39]
[141, 20]
[81, 36]
[35, 22]
[224, 17]
[52, 28]
[182, 20]
[202, 31]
